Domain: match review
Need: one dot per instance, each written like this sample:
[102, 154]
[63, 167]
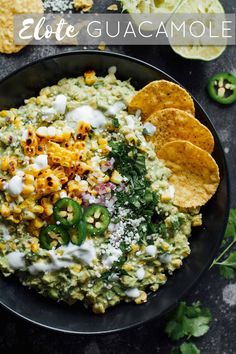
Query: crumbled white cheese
[41, 162]
[151, 250]
[140, 273]
[60, 104]
[15, 186]
[149, 128]
[133, 293]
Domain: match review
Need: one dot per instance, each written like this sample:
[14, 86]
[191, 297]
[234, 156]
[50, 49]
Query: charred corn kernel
[162, 277]
[90, 77]
[186, 254]
[116, 177]
[165, 197]
[5, 210]
[142, 298]
[9, 198]
[197, 220]
[34, 247]
[127, 267]
[27, 189]
[176, 263]
[31, 170]
[134, 248]
[73, 185]
[4, 163]
[76, 268]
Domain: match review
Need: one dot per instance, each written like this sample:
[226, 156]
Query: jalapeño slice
[67, 212]
[53, 236]
[78, 233]
[222, 88]
[97, 218]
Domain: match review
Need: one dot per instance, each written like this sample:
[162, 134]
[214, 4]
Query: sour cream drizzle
[85, 114]
[16, 260]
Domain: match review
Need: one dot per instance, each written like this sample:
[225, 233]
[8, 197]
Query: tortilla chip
[195, 174]
[8, 10]
[161, 94]
[174, 124]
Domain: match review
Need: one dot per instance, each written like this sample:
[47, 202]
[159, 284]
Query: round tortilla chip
[161, 94]
[8, 10]
[174, 124]
[195, 174]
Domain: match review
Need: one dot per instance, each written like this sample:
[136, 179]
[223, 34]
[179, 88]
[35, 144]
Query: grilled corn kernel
[162, 277]
[28, 179]
[90, 77]
[37, 209]
[13, 219]
[27, 189]
[2, 246]
[116, 177]
[142, 298]
[76, 268]
[13, 246]
[47, 206]
[37, 223]
[34, 247]
[165, 246]
[4, 113]
[5, 210]
[17, 209]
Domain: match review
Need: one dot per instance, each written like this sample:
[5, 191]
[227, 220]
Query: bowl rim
[227, 206]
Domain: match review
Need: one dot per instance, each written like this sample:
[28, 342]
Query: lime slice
[150, 6]
[201, 52]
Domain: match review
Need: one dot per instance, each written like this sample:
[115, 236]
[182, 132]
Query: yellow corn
[76, 268]
[127, 267]
[4, 113]
[34, 247]
[17, 209]
[162, 277]
[2, 246]
[116, 177]
[165, 246]
[90, 77]
[27, 189]
[197, 220]
[176, 263]
[5, 210]
[134, 248]
[165, 197]
[28, 179]
[142, 298]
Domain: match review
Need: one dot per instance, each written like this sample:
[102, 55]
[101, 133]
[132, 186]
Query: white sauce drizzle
[133, 293]
[85, 114]
[84, 253]
[16, 260]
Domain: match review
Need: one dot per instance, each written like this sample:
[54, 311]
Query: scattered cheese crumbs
[15, 186]
[58, 5]
[102, 45]
[229, 294]
[112, 7]
[60, 104]
[151, 250]
[140, 273]
[84, 5]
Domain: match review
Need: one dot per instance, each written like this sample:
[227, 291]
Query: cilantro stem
[222, 254]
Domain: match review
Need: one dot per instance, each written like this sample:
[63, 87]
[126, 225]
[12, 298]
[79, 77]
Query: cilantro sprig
[226, 261]
[187, 322]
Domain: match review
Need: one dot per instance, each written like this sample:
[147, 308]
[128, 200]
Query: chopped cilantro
[115, 123]
[190, 321]
[186, 348]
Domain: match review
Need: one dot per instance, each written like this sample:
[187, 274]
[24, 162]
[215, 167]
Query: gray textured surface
[17, 336]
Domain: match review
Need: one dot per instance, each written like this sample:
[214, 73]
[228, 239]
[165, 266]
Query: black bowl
[205, 241]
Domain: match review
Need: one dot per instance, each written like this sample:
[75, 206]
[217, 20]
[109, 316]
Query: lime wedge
[201, 52]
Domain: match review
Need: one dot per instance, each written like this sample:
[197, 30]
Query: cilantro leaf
[186, 348]
[227, 272]
[231, 226]
[188, 321]
[230, 261]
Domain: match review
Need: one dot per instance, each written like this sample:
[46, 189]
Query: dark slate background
[17, 336]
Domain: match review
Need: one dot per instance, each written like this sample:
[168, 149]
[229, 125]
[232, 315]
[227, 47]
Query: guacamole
[87, 211]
